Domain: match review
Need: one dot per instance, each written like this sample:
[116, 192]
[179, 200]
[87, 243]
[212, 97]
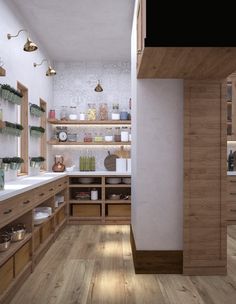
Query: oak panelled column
[205, 141]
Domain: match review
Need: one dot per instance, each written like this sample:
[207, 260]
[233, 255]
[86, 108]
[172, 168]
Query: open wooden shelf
[93, 143]
[84, 218]
[59, 208]
[89, 122]
[85, 185]
[14, 246]
[117, 186]
[85, 202]
[2, 72]
[118, 202]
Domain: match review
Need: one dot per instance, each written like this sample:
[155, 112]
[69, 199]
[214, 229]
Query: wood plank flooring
[93, 264]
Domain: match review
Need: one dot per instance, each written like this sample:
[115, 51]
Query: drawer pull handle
[7, 211]
[26, 202]
[232, 210]
[233, 181]
[65, 182]
[51, 189]
[41, 194]
[232, 193]
[59, 185]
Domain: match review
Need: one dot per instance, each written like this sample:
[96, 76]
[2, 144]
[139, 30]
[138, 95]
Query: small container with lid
[117, 135]
[94, 194]
[115, 115]
[73, 113]
[103, 111]
[88, 137]
[64, 113]
[92, 112]
[82, 116]
[109, 134]
[124, 134]
[52, 114]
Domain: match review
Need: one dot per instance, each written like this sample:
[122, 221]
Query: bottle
[124, 134]
[231, 161]
[94, 194]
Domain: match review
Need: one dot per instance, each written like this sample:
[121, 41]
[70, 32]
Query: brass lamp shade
[50, 71]
[30, 46]
[98, 87]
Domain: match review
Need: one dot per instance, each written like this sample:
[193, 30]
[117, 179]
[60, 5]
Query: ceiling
[72, 30]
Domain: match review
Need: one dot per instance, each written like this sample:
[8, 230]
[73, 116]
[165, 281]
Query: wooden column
[204, 178]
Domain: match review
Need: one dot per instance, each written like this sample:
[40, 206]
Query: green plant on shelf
[37, 131]
[14, 163]
[10, 94]
[10, 128]
[36, 110]
[36, 162]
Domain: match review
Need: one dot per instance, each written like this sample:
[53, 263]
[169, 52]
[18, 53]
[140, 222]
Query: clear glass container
[73, 113]
[115, 114]
[109, 134]
[88, 137]
[92, 111]
[117, 135]
[124, 134]
[103, 111]
[64, 113]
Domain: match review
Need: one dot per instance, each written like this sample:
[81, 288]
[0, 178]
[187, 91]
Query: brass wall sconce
[29, 46]
[98, 87]
[50, 71]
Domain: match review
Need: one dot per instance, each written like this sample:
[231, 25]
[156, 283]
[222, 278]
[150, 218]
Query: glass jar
[109, 134]
[117, 135]
[1, 114]
[103, 111]
[73, 113]
[115, 114]
[91, 114]
[124, 134]
[64, 113]
[88, 137]
[52, 114]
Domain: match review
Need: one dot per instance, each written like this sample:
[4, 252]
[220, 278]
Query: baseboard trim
[156, 261]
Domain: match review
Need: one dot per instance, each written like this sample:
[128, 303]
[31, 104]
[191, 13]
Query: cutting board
[110, 161]
[122, 153]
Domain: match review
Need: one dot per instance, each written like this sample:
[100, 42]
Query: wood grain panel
[43, 139]
[2, 72]
[187, 62]
[204, 178]
[156, 261]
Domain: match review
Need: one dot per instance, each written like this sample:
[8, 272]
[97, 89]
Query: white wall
[74, 86]
[19, 67]
[157, 160]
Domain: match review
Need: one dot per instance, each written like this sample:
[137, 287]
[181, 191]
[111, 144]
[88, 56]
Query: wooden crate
[120, 210]
[45, 231]
[82, 210]
[60, 216]
[36, 236]
[6, 275]
[22, 257]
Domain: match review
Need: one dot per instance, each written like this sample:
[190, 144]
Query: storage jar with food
[109, 134]
[117, 135]
[73, 113]
[115, 115]
[91, 111]
[103, 111]
[64, 113]
[124, 134]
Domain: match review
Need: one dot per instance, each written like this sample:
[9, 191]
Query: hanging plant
[10, 94]
[37, 131]
[36, 110]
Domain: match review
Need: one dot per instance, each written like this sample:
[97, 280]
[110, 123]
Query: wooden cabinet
[204, 178]
[104, 210]
[231, 200]
[22, 257]
[231, 107]
[6, 275]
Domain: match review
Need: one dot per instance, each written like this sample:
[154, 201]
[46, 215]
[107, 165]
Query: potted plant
[18, 129]
[36, 110]
[5, 91]
[36, 162]
[37, 131]
[5, 165]
[16, 163]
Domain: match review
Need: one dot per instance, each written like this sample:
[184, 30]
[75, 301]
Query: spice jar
[64, 113]
[103, 111]
[73, 113]
[115, 115]
[52, 114]
[91, 111]
[88, 137]
[82, 116]
[109, 134]
[124, 134]
[117, 135]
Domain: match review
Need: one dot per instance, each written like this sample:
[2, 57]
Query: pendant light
[29, 46]
[98, 87]
[50, 71]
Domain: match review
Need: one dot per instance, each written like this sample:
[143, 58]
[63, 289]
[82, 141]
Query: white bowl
[70, 169]
[113, 180]
[126, 180]
[86, 180]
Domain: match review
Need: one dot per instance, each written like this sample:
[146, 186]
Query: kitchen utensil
[17, 232]
[5, 240]
[58, 164]
[113, 180]
[126, 180]
[110, 162]
[114, 196]
[122, 153]
[86, 180]
[121, 165]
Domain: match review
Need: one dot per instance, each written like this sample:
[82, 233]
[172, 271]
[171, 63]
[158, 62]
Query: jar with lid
[52, 114]
[115, 115]
[88, 137]
[124, 134]
[109, 134]
[64, 113]
[73, 113]
[91, 114]
[103, 111]
[117, 135]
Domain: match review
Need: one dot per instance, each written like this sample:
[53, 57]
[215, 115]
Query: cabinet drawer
[61, 184]
[44, 192]
[45, 230]
[22, 257]
[8, 210]
[119, 210]
[60, 216]
[6, 275]
[231, 211]
[81, 210]
[26, 201]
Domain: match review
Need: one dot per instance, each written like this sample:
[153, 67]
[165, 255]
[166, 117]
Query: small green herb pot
[14, 166]
[5, 166]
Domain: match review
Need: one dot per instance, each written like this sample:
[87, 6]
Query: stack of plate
[41, 214]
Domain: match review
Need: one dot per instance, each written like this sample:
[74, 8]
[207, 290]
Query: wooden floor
[93, 264]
